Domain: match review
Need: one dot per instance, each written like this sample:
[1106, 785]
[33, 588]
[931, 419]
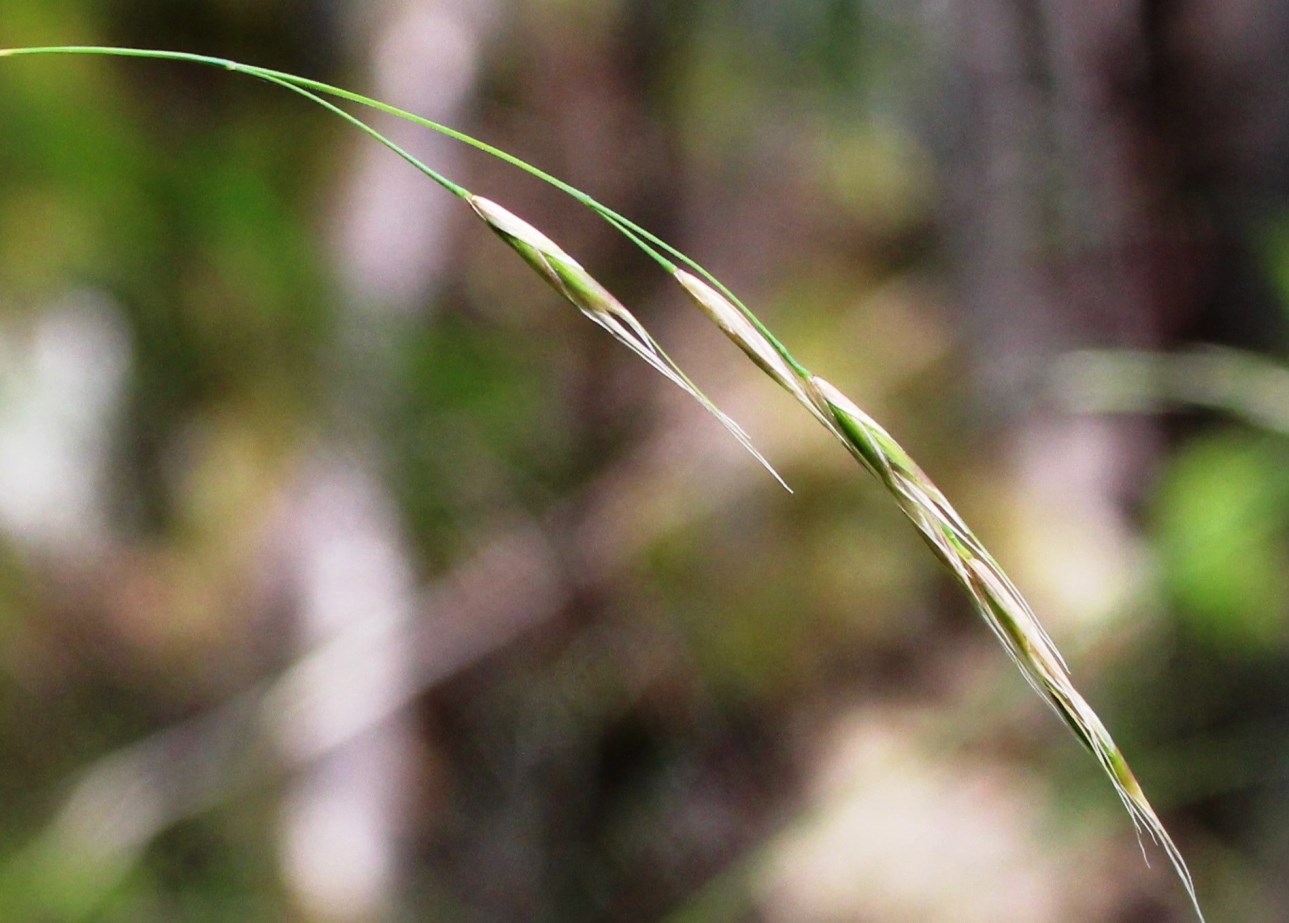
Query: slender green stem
[454, 188]
[657, 248]
[601, 308]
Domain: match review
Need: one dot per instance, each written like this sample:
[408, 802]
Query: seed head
[566, 276]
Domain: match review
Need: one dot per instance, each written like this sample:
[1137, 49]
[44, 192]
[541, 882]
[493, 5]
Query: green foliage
[1222, 518]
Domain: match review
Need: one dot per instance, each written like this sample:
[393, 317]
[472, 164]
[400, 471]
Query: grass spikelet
[736, 325]
[570, 279]
[995, 597]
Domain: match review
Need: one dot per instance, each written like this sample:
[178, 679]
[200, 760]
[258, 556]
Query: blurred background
[348, 575]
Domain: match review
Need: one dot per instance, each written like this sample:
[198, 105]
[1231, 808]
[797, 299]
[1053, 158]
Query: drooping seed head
[1001, 605]
[735, 324]
[567, 276]
[721, 311]
[540, 252]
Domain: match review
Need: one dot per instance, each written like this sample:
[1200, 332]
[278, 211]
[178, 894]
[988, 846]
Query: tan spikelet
[570, 279]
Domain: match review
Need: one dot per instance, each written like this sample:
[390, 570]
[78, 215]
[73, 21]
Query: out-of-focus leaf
[1223, 535]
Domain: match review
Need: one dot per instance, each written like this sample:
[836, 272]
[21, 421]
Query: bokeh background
[348, 575]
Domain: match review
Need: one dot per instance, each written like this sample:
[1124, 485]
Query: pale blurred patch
[342, 817]
[894, 832]
[61, 377]
[390, 224]
[1070, 541]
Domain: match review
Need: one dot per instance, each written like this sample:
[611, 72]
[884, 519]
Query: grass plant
[998, 601]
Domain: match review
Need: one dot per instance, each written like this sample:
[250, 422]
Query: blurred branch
[1242, 384]
[123, 801]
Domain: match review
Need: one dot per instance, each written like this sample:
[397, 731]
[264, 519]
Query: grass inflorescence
[998, 601]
